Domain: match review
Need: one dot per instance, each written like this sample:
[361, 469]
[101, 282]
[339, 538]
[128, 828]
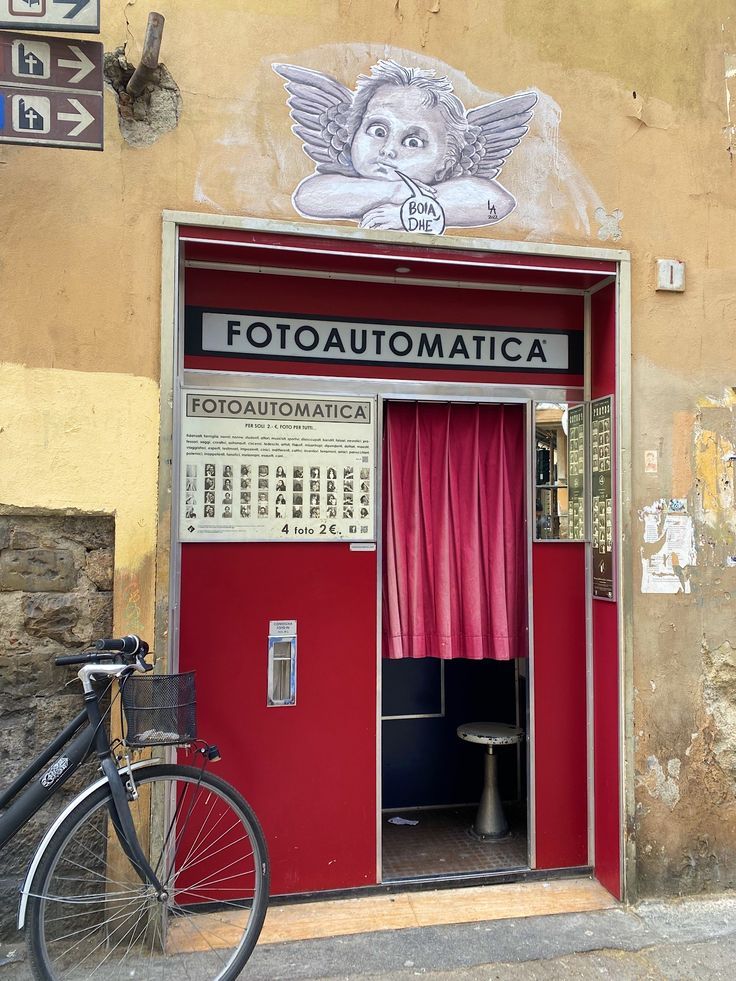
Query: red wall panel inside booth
[309, 770]
[560, 743]
[606, 675]
[225, 290]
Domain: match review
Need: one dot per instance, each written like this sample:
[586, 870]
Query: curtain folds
[455, 548]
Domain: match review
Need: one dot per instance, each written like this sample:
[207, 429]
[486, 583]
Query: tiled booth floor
[441, 843]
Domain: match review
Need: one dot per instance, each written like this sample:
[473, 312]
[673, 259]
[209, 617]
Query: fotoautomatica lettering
[270, 407]
[276, 337]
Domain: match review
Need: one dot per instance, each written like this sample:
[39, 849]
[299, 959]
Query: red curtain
[455, 545]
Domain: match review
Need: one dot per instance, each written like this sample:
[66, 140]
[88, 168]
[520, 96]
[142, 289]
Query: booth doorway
[454, 641]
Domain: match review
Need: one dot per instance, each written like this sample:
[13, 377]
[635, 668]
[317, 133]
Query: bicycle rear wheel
[90, 914]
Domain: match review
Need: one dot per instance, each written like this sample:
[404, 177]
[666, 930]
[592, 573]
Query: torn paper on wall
[668, 547]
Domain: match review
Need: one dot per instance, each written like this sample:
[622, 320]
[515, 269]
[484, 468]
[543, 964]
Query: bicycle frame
[28, 793]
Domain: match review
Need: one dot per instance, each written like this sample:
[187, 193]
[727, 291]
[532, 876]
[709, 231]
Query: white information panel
[259, 467]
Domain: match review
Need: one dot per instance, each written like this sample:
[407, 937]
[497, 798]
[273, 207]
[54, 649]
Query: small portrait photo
[314, 499]
[209, 470]
[347, 512]
[296, 512]
[314, 512]
[347, 473]
[227, 498]
[280, 512]
[364, 499]
[314, 485]
[280, 472]
[331, 473]
[280, 499]
[365, 486]
[365, 473]
[364, 512]
[297, 472]
[190, 500]
[209, 497]
[280, 485]
[209, 483]
[245, 470]
[348, 499]
[331, 500]
[263, 471]
[331, 485]
[263, 498]
[191, 513]
[191, 483]
[244, 483]
[347, 486]
[191, 470]
[227, 512]
[245, 497]
[227, 470]
[298, 485]
[262, 483]
[298, 499]
[209, 511]
[227, 484]
[245, 511]
[314, 473]
[331, 512]
[262, 510]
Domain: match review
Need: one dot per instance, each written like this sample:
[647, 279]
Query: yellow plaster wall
[88, 440]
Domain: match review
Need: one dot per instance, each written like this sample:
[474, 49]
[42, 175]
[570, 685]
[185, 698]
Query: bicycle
[157, 869]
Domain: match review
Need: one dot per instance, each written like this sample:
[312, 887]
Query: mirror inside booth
[559, 439]
[454, 644]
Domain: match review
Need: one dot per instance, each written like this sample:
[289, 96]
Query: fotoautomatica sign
[259, 467]
[295, 338]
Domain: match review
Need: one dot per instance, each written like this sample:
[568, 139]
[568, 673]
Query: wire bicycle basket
[160, 710]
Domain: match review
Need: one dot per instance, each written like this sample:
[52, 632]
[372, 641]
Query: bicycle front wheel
[90, 915]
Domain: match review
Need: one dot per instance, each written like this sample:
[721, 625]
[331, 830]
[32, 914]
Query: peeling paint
[661, 787]
[610, 224]
[719, 699]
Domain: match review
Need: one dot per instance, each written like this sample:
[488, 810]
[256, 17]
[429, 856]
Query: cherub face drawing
[401, 151]
[399, 133]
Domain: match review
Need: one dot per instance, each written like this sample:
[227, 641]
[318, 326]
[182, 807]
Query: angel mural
[402, 152]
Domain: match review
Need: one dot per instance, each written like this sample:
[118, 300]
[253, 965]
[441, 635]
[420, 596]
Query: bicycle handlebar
[128, 649]
[130, 644]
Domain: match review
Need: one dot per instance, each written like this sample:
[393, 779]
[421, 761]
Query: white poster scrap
[260, 467]
[668, 547]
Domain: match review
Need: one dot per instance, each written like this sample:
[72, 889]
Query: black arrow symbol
[77, 5]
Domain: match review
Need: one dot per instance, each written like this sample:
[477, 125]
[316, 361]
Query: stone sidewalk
[654, 941]
[678, 940]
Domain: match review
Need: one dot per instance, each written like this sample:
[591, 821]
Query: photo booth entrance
[394, 548]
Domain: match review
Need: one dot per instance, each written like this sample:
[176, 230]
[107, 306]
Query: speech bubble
[421, 212]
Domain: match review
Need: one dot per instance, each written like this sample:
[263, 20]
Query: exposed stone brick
[37, 570]
[55, 597]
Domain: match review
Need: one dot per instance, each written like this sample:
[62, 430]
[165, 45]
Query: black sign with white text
[290, 337]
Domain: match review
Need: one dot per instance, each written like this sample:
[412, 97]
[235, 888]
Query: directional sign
[50, 91]
[78, 16]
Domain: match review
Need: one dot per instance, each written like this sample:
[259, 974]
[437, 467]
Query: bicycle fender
[36, 860]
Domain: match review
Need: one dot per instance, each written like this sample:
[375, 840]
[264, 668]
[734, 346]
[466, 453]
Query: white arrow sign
[82, 63]
[81, 117]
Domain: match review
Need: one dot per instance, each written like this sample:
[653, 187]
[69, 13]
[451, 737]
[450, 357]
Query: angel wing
[320, 107]
[495, 129]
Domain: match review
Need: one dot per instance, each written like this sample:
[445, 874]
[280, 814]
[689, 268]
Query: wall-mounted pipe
[149, 56]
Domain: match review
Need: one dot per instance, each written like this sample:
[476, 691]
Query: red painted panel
[603, 342]
[607, 747]
[210, 244]
[606, 680]
[560, 744]
[308, 770]
[318, 297]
